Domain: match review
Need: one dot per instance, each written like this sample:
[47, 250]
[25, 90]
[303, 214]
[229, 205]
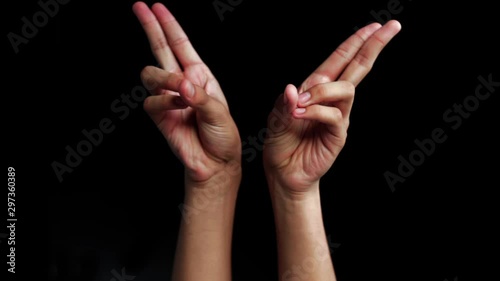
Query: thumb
[281, 117]
[210, 109]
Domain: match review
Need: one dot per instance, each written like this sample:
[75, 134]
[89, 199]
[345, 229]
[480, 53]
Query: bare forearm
[302, 245]
[204, 244]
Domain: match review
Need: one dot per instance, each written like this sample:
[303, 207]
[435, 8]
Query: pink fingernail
[304, 97]
[190, 89]
[300, 110]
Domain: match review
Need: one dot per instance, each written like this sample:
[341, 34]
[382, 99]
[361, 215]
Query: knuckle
[147, 77]
[336, 116]
[349, 88]
[347, 122]
[343, 52]
[147, 104]
[144, 73]
[179, 41]
[364, 60]
[378, 40]
[360, 38]
[159, 44]
[319, 92]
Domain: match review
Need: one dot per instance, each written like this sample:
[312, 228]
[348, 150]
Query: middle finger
[156, 36]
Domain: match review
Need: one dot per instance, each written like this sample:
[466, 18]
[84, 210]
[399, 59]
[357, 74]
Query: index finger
[156, 36]
[333, 66]
[176, 37]
[365, 58]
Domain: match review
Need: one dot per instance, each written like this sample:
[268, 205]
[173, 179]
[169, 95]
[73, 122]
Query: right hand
[305, 137]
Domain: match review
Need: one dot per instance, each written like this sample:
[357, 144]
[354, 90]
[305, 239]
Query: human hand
[307, 128]
[187, 103]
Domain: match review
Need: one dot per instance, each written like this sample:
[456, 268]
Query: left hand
[187, 104]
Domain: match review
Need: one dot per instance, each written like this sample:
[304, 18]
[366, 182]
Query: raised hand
[307, 128]
[187, 103]
[189, 108]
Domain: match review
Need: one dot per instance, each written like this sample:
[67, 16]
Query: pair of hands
[307, 127]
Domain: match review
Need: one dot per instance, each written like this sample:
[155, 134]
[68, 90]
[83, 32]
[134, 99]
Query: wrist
[291, 188]
[225, 181]
[222, 173]
[211, 201]
[300, 209]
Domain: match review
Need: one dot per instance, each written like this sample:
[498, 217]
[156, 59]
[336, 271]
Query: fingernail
[300, 110]
[190, 89]
[304, 97]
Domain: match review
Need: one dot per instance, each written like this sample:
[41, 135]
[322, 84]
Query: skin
[304, 138]
[307, 129]
[189, 108]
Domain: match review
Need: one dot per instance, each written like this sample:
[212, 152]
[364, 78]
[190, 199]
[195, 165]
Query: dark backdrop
[118, 208]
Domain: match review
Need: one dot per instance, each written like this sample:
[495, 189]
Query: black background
[119, 207]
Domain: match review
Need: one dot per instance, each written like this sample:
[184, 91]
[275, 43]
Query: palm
[180, 127]
[309, 155]
[314, 148]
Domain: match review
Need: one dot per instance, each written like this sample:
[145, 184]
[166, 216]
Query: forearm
[204, 244]
[303, 251]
